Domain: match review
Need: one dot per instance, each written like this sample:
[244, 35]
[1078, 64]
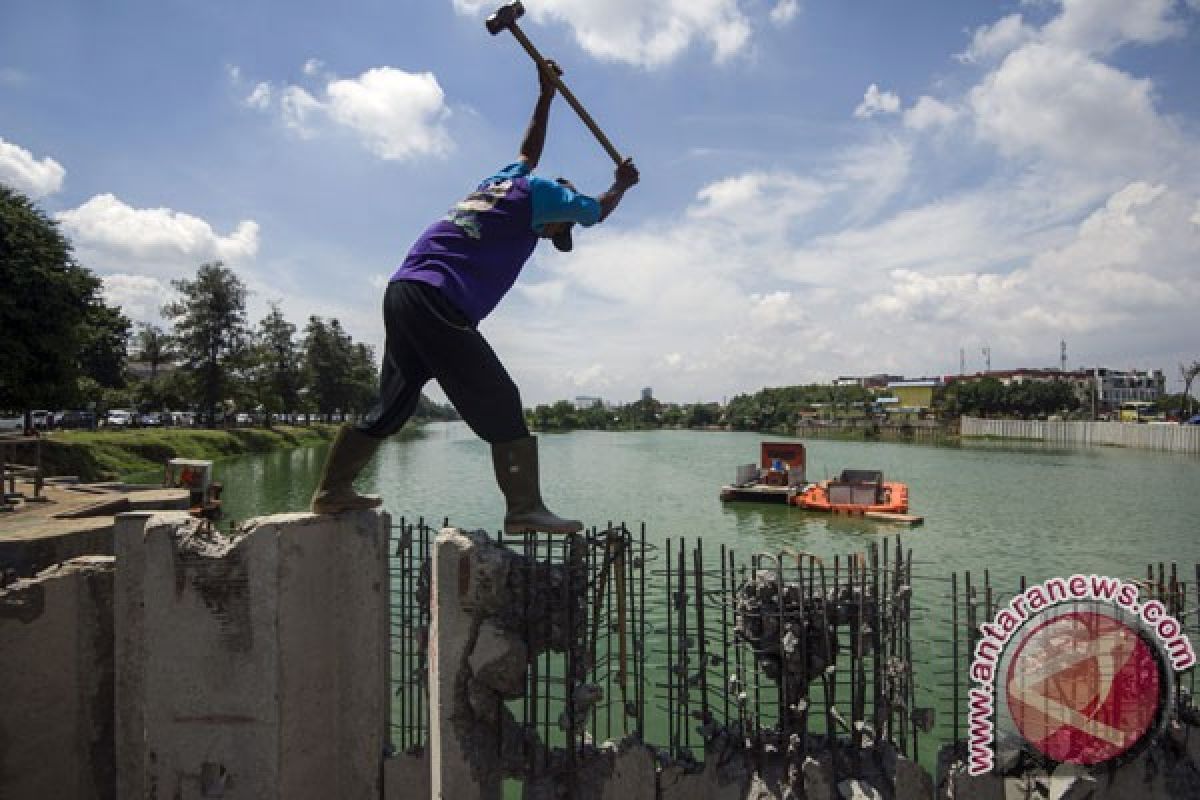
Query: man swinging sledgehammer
[453, 276]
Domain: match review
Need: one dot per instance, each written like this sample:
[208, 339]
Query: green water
[1012, 509]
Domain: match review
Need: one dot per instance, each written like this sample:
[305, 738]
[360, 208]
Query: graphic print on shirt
[465, 213]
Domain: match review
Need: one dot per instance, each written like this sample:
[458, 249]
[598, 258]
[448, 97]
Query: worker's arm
[625, 176]
[535, 136]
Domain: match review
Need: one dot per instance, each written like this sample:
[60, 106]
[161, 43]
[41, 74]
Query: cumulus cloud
[877, 102]
[23, 172]
[644, 34]
[140, 297]
[992, 42]
[1099, 26]
[397, 115]
[1061, 104]
[929, 112]
[111, 236]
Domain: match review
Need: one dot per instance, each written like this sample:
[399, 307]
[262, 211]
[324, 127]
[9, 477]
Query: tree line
[64, 347]
[780, 409]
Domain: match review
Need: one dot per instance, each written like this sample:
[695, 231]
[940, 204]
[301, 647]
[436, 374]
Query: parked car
[119, 418]
[151, 419]
[76, 419]
[242, 418]
[182, 418]
[12, 421]
[43, 419]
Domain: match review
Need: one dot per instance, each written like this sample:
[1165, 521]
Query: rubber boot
[516, 465]
[350, 452]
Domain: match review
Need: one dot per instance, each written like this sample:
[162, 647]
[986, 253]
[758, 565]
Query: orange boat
[855, 492]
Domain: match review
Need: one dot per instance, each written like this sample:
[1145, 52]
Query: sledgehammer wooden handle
[566, 93]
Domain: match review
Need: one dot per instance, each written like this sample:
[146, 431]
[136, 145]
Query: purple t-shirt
[475, 253]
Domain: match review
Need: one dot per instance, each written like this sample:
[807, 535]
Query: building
[914, 395]
[879, 381]
[1109, 388]
[647, 393]
[1114, 387]
[1080, 380]
[584, 402]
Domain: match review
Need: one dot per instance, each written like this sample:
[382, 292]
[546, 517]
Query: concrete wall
[56, 684]
[255, 666]
[1174, 438]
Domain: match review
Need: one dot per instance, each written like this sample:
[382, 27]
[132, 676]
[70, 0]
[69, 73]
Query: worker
[453, 276]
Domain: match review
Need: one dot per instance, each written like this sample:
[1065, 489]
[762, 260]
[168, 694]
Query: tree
[1189, 375]
[153, 347]
[103, 345]
[210, 329]
[57, 328]
[277, 376]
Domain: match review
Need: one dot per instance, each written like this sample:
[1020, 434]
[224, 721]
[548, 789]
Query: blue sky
[828, 188]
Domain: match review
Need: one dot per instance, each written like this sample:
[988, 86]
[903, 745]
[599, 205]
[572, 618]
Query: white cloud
[644, 34]
[757, 204]
[785, 11]
[396, 115]
[997, 40]
[260, 97]
[1128, 262]
[313, 66]
[20, 170]
[547, 293]
[111, 236]
[139, 297]
[877, 102]
[929, 112]
[1099, 26]
[1060, 104]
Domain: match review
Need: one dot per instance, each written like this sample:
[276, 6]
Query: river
[1015, 509]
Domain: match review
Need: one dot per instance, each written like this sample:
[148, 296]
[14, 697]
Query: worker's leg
[402, 378]
[471, 375]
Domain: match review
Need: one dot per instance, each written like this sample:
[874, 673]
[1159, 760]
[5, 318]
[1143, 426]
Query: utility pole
[1062, 357]
[987, 358]
[962, 361]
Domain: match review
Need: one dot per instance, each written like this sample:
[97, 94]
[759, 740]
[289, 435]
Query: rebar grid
[787, 652]
[678, 645]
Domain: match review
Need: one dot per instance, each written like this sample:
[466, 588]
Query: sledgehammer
[506, 18]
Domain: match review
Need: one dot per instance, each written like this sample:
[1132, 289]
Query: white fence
[1175, 438]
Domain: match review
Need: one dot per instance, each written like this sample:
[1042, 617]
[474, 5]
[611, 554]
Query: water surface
[1013, 509]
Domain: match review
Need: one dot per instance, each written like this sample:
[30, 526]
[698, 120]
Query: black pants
[427, 337]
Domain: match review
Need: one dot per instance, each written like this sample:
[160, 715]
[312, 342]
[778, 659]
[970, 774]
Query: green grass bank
[115, 455]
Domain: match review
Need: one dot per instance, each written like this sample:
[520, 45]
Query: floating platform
[757, 493]
[882, 516]
[777, 477]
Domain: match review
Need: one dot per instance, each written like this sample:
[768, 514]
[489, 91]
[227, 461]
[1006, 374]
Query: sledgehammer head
[504, 17]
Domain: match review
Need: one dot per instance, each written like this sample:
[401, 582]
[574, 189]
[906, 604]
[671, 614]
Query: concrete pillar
[56, 681]
[253, 666]
[451, 639]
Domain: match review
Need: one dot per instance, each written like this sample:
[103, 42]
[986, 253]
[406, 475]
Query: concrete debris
[498, 661]
[858, 790]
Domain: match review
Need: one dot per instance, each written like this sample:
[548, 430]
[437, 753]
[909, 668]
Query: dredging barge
[779, 477]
